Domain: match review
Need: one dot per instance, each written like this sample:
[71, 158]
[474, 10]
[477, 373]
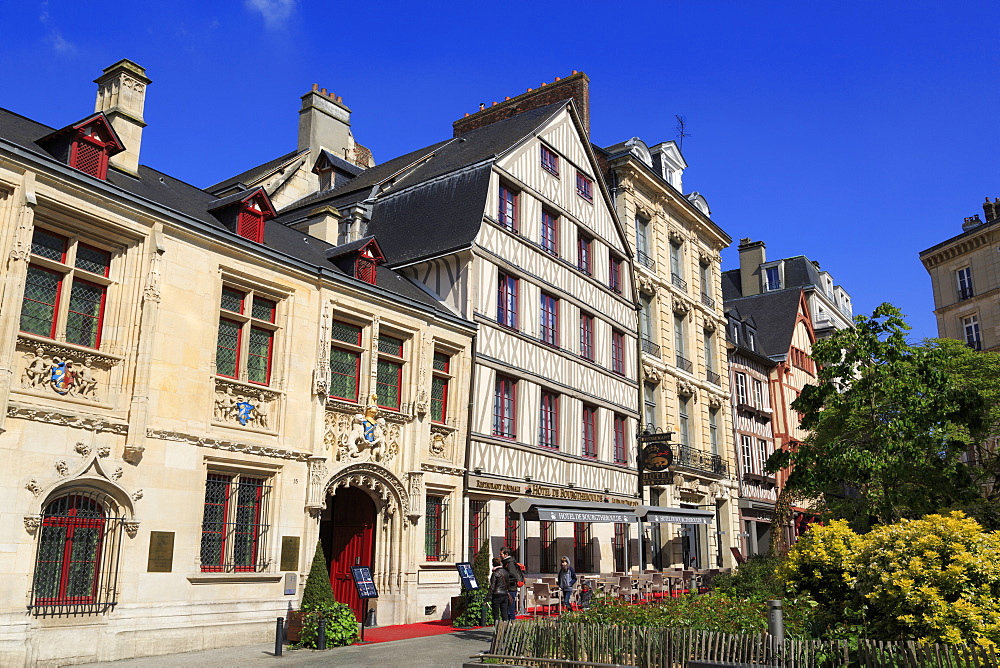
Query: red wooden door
[353, 543]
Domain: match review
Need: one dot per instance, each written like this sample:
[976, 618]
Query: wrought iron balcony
[684, 364]
[679, 282]
[712, 377]
[700, 460]
[650, 348]
[645, 260]
[707, 301]
[965, 293]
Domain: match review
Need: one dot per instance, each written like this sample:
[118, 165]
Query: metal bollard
[279, 633]
[482, 614]
[775, 621]
[321, 641]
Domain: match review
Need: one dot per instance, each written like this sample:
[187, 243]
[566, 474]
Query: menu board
[363, 582]
[468, 577]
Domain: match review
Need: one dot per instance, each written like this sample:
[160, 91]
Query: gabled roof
[194, 203]
[327, 160]
[243, 197]
[431, 201]
[100, 119]
[775, 314]
[256, 174]
[357, 246]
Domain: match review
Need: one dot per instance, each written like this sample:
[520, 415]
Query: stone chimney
[121, 95]
[752, 255]
[991, 209]
[325, 122]
[575, 86]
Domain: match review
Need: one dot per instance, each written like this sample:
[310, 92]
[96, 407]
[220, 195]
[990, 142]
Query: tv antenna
[681, 131]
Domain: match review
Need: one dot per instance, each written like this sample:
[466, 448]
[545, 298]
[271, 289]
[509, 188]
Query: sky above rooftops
[855, 133]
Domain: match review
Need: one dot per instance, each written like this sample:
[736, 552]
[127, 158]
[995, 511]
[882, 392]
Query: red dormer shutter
[89, 154]
[365, 269]
[250, 224]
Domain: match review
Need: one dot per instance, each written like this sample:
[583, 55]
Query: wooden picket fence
[645, 647]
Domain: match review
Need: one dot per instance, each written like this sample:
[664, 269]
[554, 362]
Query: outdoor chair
[658, 586]
[543, 596]
[627, 589]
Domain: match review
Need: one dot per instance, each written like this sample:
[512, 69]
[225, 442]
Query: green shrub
[476, 599]
[755, 578]
[318, 594]
[341, 626]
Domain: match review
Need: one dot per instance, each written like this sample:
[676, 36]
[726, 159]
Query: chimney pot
[315, 86]
[482, 105]
[506, 98]
[466, 114]
[323, 91]
[530, 89]
[557, 78]
[340, 99]
[495, 103]
[574, 71]
[543, 83]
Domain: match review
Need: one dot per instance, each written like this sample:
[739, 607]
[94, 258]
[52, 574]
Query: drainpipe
[468, 434]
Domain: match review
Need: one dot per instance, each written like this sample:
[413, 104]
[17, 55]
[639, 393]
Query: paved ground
[451, 649]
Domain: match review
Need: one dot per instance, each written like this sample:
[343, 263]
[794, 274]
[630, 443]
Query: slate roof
[184, 198]
[254, 174]
[774, 314]
[431, 201]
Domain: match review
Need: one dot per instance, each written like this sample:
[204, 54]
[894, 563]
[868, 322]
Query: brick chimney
[575, 86]
[752, 255]
[121, 95]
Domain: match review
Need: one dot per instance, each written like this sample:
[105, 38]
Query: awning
[554, 510]
[661, 514]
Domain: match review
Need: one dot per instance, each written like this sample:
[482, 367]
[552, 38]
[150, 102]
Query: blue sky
[855, 133]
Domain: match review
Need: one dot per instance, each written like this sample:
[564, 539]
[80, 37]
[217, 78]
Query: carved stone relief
[239, 405]
[715, 401]
[362, 436]
[33, 487]
[416, 494]
[376, 478]
[680, 306]
[676, 236]
[32, 523]
[64, 371]
[226, 445]
[651, 373]
[62, 467]
[81, 448]
[645, 283]
[686, 389]
[66, 418]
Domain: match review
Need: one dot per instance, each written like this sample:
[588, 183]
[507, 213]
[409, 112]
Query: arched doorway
[349, 540]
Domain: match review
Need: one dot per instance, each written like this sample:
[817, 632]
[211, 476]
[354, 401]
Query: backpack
[516, 571]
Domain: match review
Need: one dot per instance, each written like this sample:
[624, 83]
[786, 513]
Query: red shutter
[251, 225]
[365, 270]
[90, 158]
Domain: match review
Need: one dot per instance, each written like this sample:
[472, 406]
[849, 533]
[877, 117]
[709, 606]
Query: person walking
[566, 580]
[516, 572]
[500, 591]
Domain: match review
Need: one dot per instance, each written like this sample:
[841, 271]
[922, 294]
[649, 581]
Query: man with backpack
[516, 572]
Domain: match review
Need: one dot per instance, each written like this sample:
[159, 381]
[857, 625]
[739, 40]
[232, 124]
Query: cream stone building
[683, 343]
[508, 224]
[192, 395]
[965, 281]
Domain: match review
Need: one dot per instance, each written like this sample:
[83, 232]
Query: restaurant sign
[547, 515]
[495, 485]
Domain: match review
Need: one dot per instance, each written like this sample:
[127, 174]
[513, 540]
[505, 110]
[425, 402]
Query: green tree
[318, 594]
[888, 425]
[980, 370]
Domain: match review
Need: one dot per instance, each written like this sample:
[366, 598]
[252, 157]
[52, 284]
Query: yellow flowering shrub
[935, 579]
[817, 565]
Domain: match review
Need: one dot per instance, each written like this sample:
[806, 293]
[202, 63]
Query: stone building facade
[683, 346]
[965, 281]
[192, 395]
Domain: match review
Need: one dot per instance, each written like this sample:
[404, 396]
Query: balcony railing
[965, 293]
[645, 260]
[679, 282]
[650, 348]
[712, 377]
[684, 364]
[707, 301]
[700, 460]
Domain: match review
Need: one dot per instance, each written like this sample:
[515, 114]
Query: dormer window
[245, 213]
[359, 259]
[250, 223]
[86, 145]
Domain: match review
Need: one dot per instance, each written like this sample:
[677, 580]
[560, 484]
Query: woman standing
[567, 578]
[500, 590]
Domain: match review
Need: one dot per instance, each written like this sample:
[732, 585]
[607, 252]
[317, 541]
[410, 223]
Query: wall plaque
[289, 553]
[161, 552]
